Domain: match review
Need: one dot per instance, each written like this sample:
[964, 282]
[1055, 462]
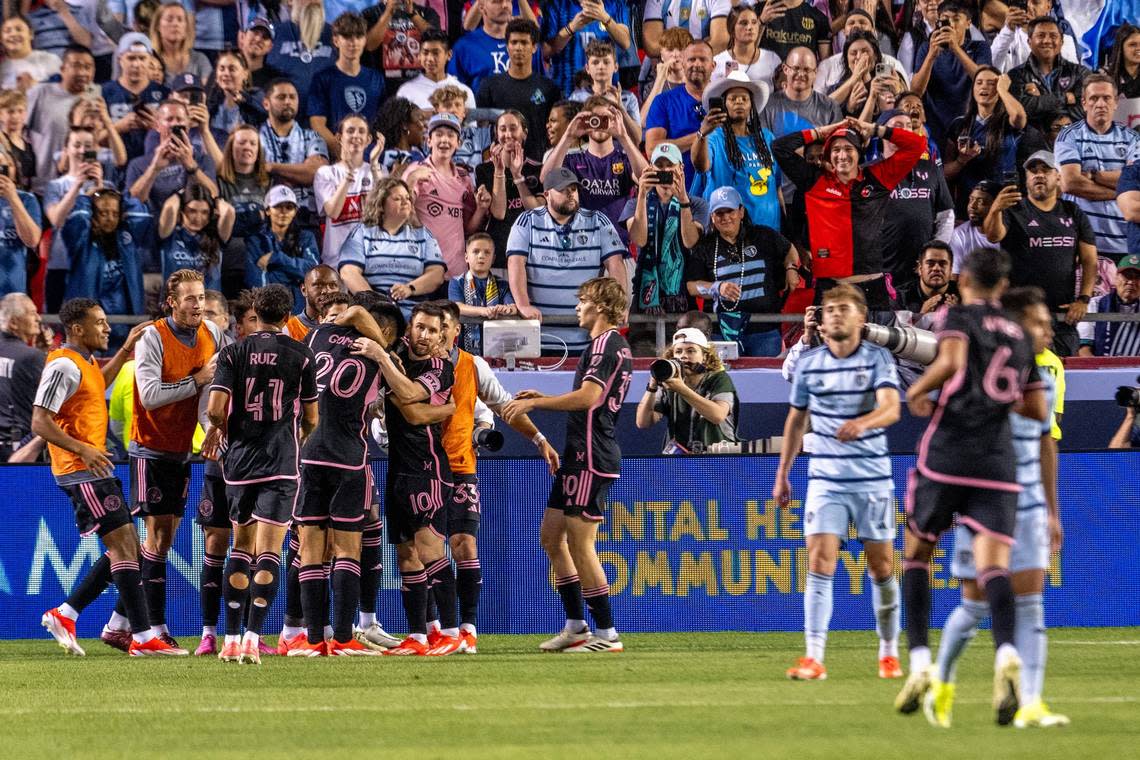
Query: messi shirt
[347, 384]
[590, 440]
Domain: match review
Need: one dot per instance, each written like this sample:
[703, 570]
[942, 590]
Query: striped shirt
[559, 258]
[1122, 338]
[294, 148]
[1080, 144]
[1027, 448]
[392, 259]
[835, 390]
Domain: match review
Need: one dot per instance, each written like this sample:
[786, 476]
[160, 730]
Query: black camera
[486, 438]
[663, 177]
[1128, 396]
[665, 369]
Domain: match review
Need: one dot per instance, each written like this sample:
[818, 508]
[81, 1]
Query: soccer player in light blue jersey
[1038, 532]
[850, 391]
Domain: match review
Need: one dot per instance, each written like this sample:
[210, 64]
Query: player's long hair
[605, 293]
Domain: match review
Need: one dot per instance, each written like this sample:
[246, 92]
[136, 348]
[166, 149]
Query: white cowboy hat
[735, 79]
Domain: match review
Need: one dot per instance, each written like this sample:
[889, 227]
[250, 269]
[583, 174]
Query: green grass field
[668, 695]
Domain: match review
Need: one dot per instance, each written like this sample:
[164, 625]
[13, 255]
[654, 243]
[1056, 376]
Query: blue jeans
[767, 343]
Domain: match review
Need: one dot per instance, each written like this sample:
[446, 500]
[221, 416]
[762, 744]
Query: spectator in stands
[435, 54]
[23, 67]
[601, 67]
[1092, 152]
[1115, 338]
[668, 72]
[474, 139]
[558, 122]
[836, 70]
[1048, 84]
[14, 136]
[1013, 44]
[482, 51]
[699, 404]
[553, 250]
[676, 115]
[947, 63]
[49, 104]
[192, 230]
[396, 31]
[242, 182]
[733, 150]
[521, 88]
[57, 25]
[859, 85]
[1127, 436]
[701, 19]
[790, 24]
[932, 288]
[916, 30]
[1128, 200]
[1124, 68]
[174, 158]
[92, 115]
[391, 252]
[340, 188]
[797, 105]
[346, 88]
[402, 124]
[302, 47]
[132, 98]
[478, 292]
[744, 52]
[230, 98]
[255, 42]
[292, 153]
[20, 228]
[513, 181]
[568, 26]
[910, 103]
[741, 269]
[172, 34]
[282, 252]
[968, 235]
[473, 11]
[696, 319]
[20, 369]
[1044, 235]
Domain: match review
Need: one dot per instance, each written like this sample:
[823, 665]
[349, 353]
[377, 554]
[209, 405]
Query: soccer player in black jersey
[260, 389]
[591, 462]
[966, 465]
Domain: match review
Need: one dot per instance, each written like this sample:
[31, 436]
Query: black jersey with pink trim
[590, 440]
[417, 450]
[347, 385]
[968, 441]
[267, 376]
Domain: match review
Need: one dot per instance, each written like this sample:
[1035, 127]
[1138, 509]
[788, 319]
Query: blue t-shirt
[120, 102]
[13, 252]
[948, 92]
[679, 114]
[335, 95]
[297, 63]
[477, 55]
[181, 251]
[1130, 182]
[758, 182]
[572, 58]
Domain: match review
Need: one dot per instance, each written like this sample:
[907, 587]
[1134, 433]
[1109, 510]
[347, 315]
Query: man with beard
[1115, 338]
[320, 282]
[292, 153]
[933, 288]
[676, 115]
[968, 235]
[132, 98]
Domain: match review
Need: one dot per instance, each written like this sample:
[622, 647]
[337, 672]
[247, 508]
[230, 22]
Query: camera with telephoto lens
[1128, 397]
[666, 369]
[487, 438]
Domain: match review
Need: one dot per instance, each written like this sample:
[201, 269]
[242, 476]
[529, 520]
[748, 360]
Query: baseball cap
[279, 194]
[449, 120]
[1129, 262]
[724, 197]
[261, 23]
[559, 179]
[134, 42]
[1042, 156]
[886, 116]
[691, 335]
[187, 81]
[843, 133]
[668, 151]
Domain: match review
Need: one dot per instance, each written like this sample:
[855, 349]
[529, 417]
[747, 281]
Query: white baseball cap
[691, 335]
[279, 194]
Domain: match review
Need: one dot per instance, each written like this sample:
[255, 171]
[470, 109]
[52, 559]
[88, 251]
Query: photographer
[1127, 436]
[698, 401]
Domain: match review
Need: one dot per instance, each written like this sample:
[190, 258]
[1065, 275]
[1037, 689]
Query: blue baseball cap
[724, 197]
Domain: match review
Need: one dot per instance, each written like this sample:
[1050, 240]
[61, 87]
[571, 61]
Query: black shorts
[213, 506]
[334, 497]
[579, 492]
[461, 512]
[159, 486]
[271, 501]
[931, 506]
[411, 503]
[99, 506]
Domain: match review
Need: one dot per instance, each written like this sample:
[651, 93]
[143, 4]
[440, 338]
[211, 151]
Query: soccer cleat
[300, 647]
[807, 669]
[231, 652]
[264, 649]
[889, 667]
[444, 646]
[351, 648]
[1038, 715]
[156, 647]
[375, 637]
[434, 637]
[285, 644]
[1007, 689]
[938, 703]
[207, 646]
[564, 640]
[170, 642]
[409, 647]
[116, 639]
[596, 644]
[913, 691]
[62, 629]
[469, 640]
[250, 653]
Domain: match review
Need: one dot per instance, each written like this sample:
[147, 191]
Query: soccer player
[1038, 532]
[174, 359]
[336, 483]
[966, 465]
[320, 281]
[263, 388]
[70, 413]
[419, 477]
[591, 462]
[850, 391]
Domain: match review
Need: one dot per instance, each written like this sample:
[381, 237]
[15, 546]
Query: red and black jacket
[845, 220]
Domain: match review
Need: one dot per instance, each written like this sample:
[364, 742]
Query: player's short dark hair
[431, 34]
[936, 245]
[332, 299]
[451, 309]
[383, 309]
[350, 24]
[1020, 299]
[218, 297]
[273, 303]
[428, 309]
[75, 311]
[697, 319]
[1033, 24]
[242, 304]
[987, 266]
[524, 26]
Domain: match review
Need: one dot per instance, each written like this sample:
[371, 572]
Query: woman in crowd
[1124, 63]
[92, 114]
[282, 252]
[744, 52]
[243, 183]
[230, 98]
[561, 114]
[172, 36]
[23, 67]
[861, 55]
[103, 236]
[192, 229]
[20, 228]
[511, 178]
[401, 123]
[341, 188]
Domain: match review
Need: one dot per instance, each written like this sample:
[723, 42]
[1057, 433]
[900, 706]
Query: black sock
[294, 615]
[263, 592]
[154, 585]
[570, 589]
[313, 584]
[91, 585]
[238, 565]
[468, 582]
[996, 584]
[371, 568]
[128, 580]
[327, 604]
[598, 598]
[346, 594]
[414, 591]
[210, 587]
[442, 580]
[121, 606]
[916, 603]
[431, 611]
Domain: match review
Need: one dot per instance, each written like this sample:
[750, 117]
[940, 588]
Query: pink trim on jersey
[599, 343]
[435, 363]
[267, 479]
[909, 506]
[977, 527]
[957, 480]
[267, 521]
[338, 465]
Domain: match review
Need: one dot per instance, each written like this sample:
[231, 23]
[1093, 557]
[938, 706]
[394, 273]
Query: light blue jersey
[1027, 448]
[835, 390]
[1080, 144]
[389, 259]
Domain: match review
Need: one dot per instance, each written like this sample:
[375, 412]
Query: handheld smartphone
[663, 177]
[4, 171]
[716, 104]
[963, 143]
[1021, 5]
[883, 70]
[196, 97]
[1010, 179]
[178, 131]
[943, 23]
[90, 156]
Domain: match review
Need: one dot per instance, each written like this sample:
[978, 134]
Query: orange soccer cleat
[807, 669]
[889, 667]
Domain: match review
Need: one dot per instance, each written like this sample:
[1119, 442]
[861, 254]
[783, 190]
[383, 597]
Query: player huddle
[287, 412]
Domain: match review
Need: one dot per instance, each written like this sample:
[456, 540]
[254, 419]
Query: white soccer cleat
[375, 637]
[596, 644]
[913, 692]
[564, 640]
[1007, 689]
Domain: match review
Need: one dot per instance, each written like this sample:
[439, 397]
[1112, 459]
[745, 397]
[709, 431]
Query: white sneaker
[375, 637]
[1007, 689]
[596, 644]
[564, 640]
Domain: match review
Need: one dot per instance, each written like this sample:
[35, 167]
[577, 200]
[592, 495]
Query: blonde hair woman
[172, 36]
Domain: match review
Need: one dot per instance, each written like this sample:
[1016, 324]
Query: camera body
[1128, 397]
[597, 122]
[666, 369]
[487, 438]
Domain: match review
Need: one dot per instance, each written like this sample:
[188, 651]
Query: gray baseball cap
[560, 179]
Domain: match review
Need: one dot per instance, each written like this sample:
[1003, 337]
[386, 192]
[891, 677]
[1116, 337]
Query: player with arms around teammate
[850, 391]
[70, 413]
[263, 388]
[591, 462]
[1038, 532]
[967, 467]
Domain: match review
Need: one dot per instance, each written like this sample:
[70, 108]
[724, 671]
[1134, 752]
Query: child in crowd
[13, 134]
[475, 139]
[601, 67]
[478, 292]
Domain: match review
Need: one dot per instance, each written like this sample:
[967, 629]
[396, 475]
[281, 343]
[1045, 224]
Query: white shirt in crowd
[340, 226]
[420, 89]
